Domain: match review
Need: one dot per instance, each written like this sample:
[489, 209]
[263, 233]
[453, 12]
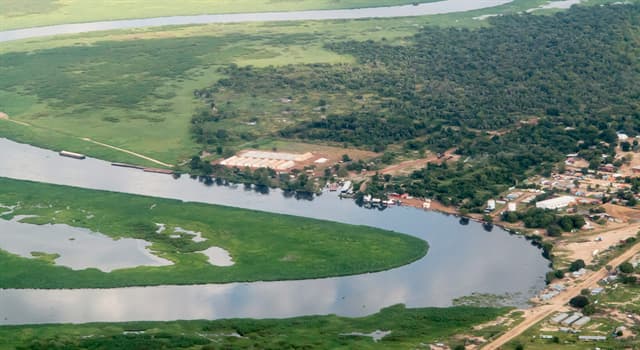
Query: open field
[409, 329]
[263, 246]
[32, 13]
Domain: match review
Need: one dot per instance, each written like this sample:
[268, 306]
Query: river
[463, 257]
[440, 7]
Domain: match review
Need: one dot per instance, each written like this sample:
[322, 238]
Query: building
[346, 187]
[491, 205]
[636, 169]
[592, 337]
[556, 203]
[559, 318]
[608, 168]
[512, 206]
[581, 322]
[569, 320]
[622, 137]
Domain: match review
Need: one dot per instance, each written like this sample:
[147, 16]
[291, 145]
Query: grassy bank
[409, 329]
[34, 13]
[263, 246]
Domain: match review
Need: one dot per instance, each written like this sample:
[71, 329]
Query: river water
[463, 257]
[440, 7]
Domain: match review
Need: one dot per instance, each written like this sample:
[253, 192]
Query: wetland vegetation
[409, 328]
[263, 246]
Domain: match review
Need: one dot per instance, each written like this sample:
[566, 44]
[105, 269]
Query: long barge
[72, 155]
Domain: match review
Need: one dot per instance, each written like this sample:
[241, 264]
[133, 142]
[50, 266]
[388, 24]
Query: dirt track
[538, 313]
[129, 152]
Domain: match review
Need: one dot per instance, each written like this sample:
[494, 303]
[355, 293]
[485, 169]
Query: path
[539, 313]
[415, 164]
[129, 152]
[5, 116]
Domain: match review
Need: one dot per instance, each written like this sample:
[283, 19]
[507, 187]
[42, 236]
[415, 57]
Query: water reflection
[462, 258]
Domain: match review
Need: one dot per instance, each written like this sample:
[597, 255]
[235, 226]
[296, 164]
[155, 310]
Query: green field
[409, 329]
[263, 246]
[34, 13]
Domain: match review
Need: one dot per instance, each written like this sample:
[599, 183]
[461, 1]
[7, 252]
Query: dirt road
[538, 313]
[129, 152]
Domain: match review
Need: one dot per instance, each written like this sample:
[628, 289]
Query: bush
[579, 301]
[589, 309]
[577, 265]
[559, 273]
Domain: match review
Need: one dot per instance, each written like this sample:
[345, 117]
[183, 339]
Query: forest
[512, 98]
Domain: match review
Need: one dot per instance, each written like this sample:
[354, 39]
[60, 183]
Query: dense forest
[512, 97]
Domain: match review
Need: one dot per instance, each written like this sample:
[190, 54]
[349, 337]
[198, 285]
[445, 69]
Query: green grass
[264, 246]
[33, 13]
[409, 328]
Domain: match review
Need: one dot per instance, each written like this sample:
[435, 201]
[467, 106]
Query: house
[622, 137]
[556, 203]
[491, 205]
[608, 168]
[636, 169]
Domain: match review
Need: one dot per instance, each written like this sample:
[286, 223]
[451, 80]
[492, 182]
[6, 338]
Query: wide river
[463, 257]
[440, 7]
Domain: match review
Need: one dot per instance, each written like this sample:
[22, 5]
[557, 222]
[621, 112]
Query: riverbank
[298, 248]
[395, 327]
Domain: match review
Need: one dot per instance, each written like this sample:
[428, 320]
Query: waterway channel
[432, 8]
[463, 258]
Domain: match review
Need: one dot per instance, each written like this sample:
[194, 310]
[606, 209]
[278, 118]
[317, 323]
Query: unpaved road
[538, 313]
[129, 152]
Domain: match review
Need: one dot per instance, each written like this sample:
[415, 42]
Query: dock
[158, 171]
[125, 165]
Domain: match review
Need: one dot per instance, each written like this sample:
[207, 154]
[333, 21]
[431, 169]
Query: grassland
[134, 89]
[33, 13]
[409, 329]
[264, 246]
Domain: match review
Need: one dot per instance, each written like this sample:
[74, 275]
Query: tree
[554, 231]
[579, 301]
[626, 267]
[346, 158]
[577, 265]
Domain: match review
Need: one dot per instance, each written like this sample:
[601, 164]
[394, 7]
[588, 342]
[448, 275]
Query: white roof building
[556, 203]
